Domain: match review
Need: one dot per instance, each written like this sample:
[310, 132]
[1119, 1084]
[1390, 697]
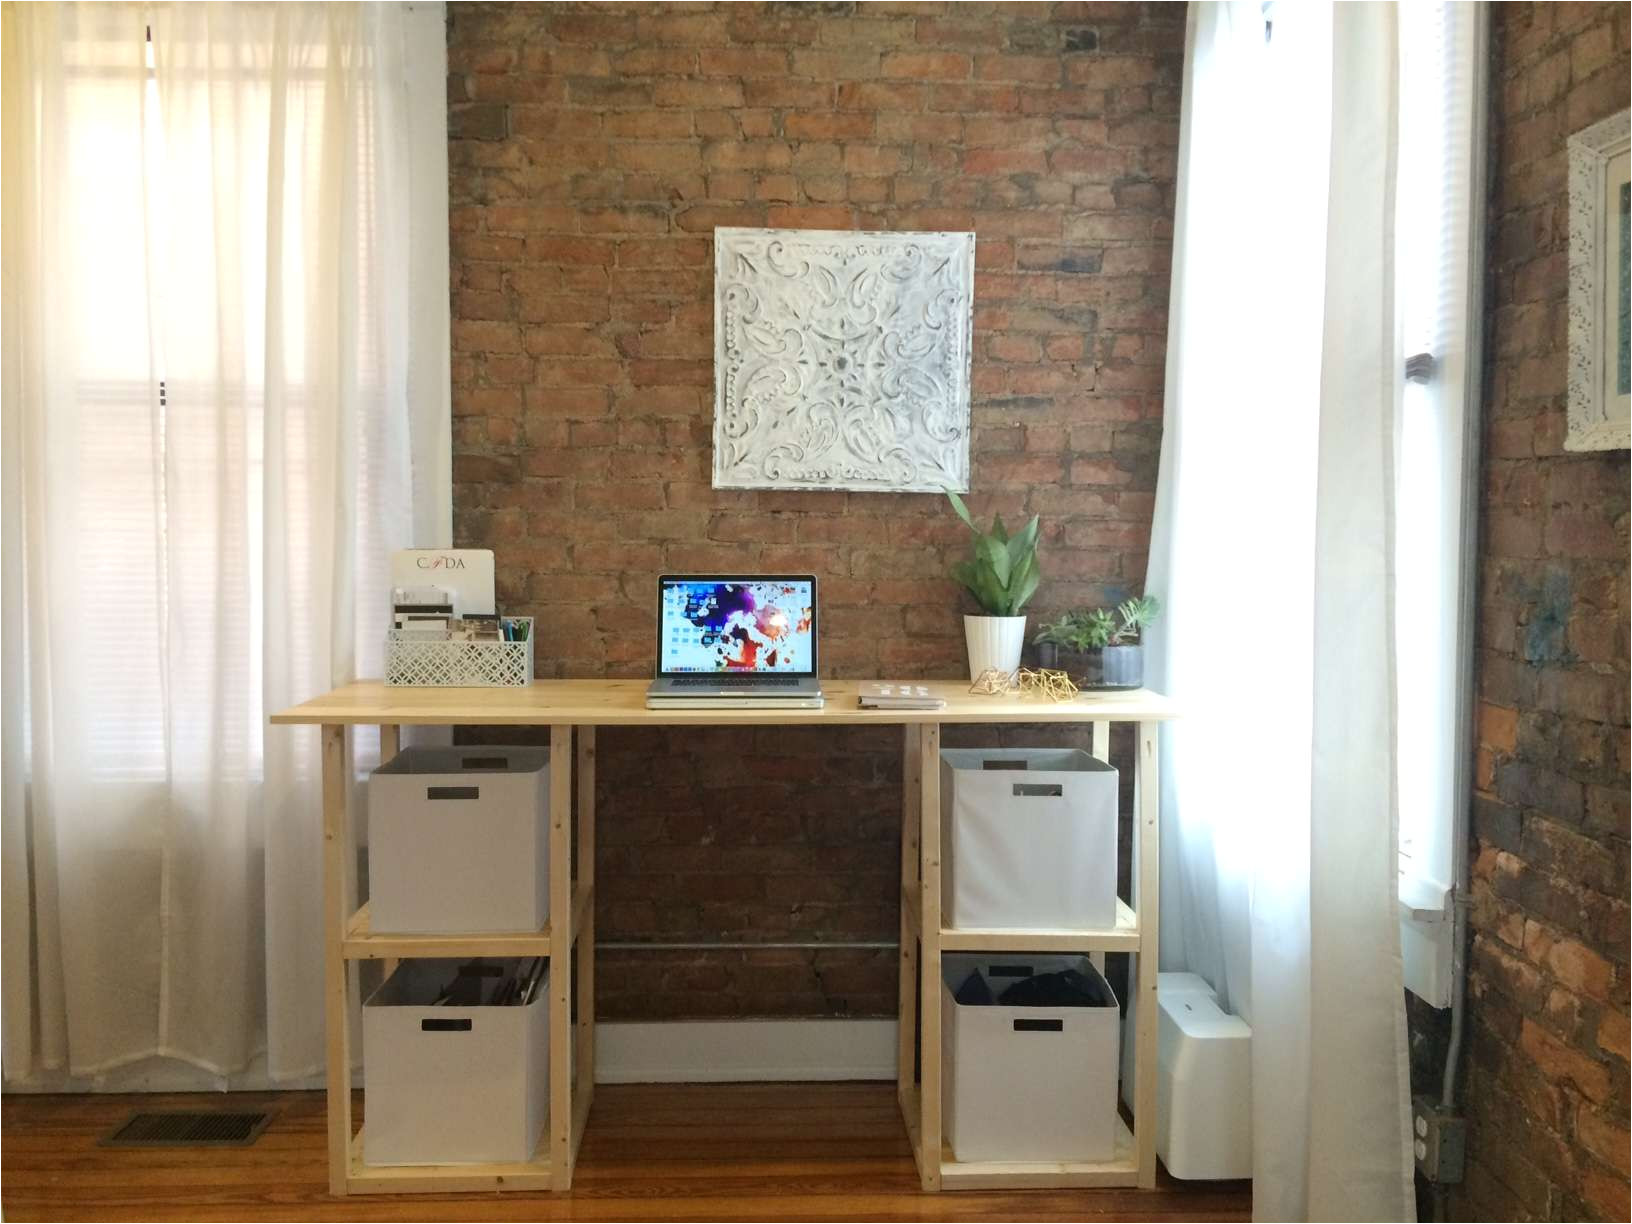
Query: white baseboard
[654, 1052]
[167, 1075]
[719, 1051]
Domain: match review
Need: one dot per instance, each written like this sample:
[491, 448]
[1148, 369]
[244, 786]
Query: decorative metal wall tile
[1599, 407]
[841, 360]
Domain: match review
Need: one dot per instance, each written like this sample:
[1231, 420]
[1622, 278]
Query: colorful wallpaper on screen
[736, 626]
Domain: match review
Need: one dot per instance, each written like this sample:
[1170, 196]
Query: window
[1437, 234]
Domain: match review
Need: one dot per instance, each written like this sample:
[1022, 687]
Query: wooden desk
[577, 707]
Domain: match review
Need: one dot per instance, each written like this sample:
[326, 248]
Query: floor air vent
[202, 1129]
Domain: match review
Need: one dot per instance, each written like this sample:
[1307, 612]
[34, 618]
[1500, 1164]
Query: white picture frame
[1600, 349]
[842, 360]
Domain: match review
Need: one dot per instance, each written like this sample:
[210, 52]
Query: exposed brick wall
[1546, 1085]
[593, 150]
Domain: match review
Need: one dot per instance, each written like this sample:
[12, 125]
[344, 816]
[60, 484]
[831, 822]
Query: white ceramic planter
[994, 641]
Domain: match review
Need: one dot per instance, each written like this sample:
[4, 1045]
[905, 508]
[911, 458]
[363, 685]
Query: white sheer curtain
[1273, 546]
[225, 402]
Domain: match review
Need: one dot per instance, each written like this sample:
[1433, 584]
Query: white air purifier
[1203, 1082]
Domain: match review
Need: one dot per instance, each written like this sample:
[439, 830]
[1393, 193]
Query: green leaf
[1025, 586]
[963, 510]
[993, 595]
[996, 556]
[998, 532]
[1023, 544]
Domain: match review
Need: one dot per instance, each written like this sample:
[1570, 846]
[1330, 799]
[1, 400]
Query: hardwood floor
[652, 1152]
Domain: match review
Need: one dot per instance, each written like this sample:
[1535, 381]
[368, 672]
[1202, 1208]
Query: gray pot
[1112, 667]
[1122, 667]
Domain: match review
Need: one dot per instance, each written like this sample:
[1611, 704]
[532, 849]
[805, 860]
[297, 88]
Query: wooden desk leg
[584, 938]
[907, 1018]
[390, 745]
[929, 926]
[339, 869]
[1102, 752]
[1147, 902]
[560, 956]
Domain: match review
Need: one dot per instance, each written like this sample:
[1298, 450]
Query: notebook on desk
[736, 639]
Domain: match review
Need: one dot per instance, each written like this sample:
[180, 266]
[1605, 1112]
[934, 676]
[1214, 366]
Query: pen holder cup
[417, 662]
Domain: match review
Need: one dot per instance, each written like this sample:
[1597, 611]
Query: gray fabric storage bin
[452, 1085]
[1029, 837]
[1027, 1083]
[458, 841]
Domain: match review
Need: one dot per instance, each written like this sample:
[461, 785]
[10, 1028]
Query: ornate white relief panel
[841, 360]
[1599, 408]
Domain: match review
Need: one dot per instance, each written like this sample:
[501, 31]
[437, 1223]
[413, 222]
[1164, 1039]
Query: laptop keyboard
[727, 679]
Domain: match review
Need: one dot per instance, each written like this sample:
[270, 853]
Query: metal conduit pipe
[728, 945]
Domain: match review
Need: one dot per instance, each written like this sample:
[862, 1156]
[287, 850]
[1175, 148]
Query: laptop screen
[738, 624]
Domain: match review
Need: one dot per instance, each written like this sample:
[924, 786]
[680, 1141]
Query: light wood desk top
[623, 703]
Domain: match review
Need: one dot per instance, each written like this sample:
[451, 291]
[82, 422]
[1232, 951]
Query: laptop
[740, 640]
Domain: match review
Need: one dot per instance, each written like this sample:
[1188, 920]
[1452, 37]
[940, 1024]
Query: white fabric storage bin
[452, 1085]
[1027, 1083]
[458, 841]
[1031, 838]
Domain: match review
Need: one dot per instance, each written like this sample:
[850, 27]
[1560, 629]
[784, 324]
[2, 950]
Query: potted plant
[1100, 649]
[1001, 573]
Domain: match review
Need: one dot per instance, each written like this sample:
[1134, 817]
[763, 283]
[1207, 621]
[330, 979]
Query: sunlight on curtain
[1273, 547]
[216, 456]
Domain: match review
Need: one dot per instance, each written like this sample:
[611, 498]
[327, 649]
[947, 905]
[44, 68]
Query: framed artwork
[1600, 362]
[841, 360]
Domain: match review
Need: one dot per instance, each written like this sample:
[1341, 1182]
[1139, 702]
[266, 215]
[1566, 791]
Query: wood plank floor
[652, 1152]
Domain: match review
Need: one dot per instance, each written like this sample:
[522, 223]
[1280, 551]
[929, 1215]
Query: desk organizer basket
[412, 661]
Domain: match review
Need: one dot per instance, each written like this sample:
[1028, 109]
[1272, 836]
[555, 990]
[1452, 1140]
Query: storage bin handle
[1014, 971]
[487, 762]
[1039, 1026]
[456, 1026]
[998, 763]
[1038, 790]
[453, 792]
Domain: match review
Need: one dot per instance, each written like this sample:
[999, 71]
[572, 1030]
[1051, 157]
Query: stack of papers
[890, 696]
[490, 984]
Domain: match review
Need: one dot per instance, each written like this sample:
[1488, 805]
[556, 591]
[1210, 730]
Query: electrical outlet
[1438, 1139]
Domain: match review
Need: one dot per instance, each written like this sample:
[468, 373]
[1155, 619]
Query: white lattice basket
[415, 662]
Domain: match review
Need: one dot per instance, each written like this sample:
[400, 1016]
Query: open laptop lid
[736, 624]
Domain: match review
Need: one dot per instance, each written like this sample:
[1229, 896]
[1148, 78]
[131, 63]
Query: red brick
[926, 65]
[1561, 1062]
[828, 126]
[1045, 69]
[611, 143]
[739, 62]
[1607, 1193]
[1606, 1138]
[697, 93]
[784, 92]
[972, 99]
[811, 217]
[1003, 161]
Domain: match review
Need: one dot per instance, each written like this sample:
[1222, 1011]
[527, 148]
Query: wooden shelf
[1121, 1170]
[909, 908]
[531, 1174]
[361, 943]
[1124, 937]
